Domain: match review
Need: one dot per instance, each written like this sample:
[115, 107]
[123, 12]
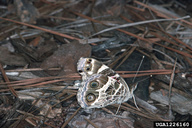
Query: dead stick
[94, 125]
[70, 118]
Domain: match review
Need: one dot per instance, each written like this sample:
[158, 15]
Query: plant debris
[147, 42]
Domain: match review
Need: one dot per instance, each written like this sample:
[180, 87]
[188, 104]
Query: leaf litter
[41, 42]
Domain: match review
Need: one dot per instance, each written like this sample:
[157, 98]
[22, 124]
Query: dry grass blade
[43, 29]
[108, 111]
[170, 89]
[94, 125]
[26, 114]
[149, 41]
[32, 69]
[134, 35]
[40, 82]
[42, 79]
[147, 114]
[7, 81]
[70, 96]
[149, 71]
[180, 52]
[167, 40]
[132, 109]
[126, 56]
[161, 14]
[175, 50]
[175, 90]
[86, 17]
[137, 23]
[145, 74]
[120, 57]
[65, 124]
[179, 41]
